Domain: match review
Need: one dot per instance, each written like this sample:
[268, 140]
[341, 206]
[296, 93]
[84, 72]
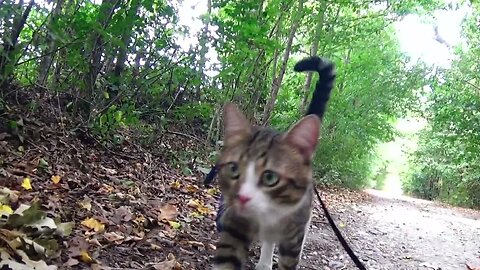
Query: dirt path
[395, 233]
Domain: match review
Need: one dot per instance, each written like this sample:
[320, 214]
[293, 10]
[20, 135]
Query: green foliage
[447, 163]
[106, 124]
[189, 112]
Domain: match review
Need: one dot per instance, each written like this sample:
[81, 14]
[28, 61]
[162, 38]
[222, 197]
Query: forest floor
[129, 207]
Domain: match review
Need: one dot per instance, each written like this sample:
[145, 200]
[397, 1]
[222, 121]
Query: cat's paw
[263, 267]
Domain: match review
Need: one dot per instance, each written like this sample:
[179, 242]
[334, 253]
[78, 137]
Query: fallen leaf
[196, 214]
[196, 244]
[175, 185]
[155, 247]
[170, 263]
[26, 184]
[203, 169]
[12, 195]
[86, 203]
[109, 171]
[56, 179]
[106, 188]
[28, 263]
[26, 215]
[213, 191]
[174, 224]
[140, 220]
[5, 209]
[122, 214]
[94, 224]
[85, 257]
[94, 241]
[71, 262]
[168, 212]
[191, 188]
[65, 228]
[199, 206]
[114, 237]
[42, 163]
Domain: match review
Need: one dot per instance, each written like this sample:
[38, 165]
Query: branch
[49, 53]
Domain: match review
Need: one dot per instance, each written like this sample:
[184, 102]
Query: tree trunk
[6, 56]
[203, 42]
[277, 81]
[314, 51]
[105, 13]
[46, 61]
[346, 61]
[127, 35]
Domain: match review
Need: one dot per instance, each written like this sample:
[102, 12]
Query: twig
[49, 53]
[185, 135]
[20, 172]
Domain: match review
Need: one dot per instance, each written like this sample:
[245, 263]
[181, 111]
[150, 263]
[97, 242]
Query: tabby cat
[266, 181]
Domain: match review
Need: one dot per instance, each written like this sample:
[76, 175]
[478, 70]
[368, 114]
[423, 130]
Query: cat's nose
[243, 199]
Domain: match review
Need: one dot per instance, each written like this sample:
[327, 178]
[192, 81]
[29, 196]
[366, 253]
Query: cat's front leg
[290, 251]
[266, 256]
[232, 248]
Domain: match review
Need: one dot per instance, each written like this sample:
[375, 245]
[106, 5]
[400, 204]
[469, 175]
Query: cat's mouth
[244, 210]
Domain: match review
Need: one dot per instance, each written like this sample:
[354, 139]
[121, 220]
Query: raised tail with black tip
[321, 95]
[325, 83]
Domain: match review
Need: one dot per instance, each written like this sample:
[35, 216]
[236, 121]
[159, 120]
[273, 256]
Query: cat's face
[263, 172]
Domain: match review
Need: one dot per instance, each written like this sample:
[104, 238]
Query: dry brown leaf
[140, 220]
[196, 244]
[114, 237]
[106, 189]
[155, 247]
[192, 188]
[170, 263]
[122, 214]
[71, 262]
[168, 212]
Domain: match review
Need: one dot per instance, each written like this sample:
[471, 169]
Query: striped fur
[266, 181]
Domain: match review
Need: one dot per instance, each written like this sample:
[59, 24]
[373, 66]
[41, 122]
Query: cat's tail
[325, 83]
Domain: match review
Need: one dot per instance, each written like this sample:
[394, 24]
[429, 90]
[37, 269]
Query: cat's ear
[235, 124]
[304, 135]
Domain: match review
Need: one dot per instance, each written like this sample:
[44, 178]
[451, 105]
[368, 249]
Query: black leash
[339, 235]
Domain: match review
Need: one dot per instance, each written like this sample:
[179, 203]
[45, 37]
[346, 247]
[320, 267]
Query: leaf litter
[68, 203]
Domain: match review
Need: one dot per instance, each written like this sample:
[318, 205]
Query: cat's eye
[232, 170]
[270, 178]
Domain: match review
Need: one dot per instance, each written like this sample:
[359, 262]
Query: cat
[265, 177]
